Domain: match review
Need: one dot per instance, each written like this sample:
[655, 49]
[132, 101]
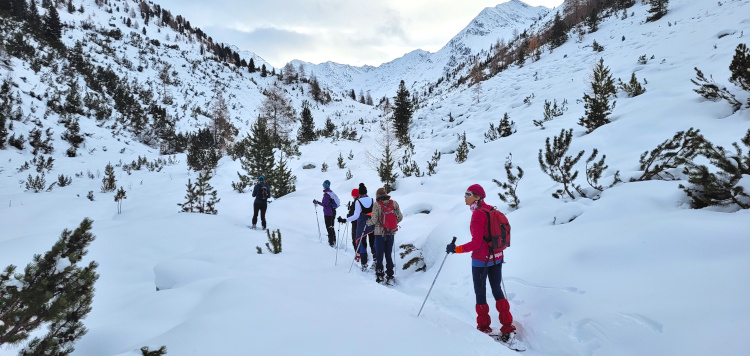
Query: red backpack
[498, 230]
[388, 219]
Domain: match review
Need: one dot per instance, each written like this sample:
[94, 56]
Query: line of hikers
[490, 235]
[374, 220]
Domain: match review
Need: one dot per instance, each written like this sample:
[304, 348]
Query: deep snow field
[637, 272]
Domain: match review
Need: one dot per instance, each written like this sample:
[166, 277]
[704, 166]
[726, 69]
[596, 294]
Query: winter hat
[355, 192]
[261, 178]
[362, 189]
[327, 183]
[477, 189]
[380, 192]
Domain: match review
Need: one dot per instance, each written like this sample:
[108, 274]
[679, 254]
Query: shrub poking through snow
[119, 197]
[109, 183]
[417, 261]
[145, 351]
[730, 185]
[433, 162]
[509, 195]
[660, 163]
[558, 166]
[274, 241]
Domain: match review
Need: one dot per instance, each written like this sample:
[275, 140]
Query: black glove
[341, 220]
[451, 248]
[316, 202]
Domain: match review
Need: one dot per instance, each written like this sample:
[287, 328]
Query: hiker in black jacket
[261, 192]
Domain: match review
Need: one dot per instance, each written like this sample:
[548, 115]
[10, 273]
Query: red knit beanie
[477, 189]
[355, 192]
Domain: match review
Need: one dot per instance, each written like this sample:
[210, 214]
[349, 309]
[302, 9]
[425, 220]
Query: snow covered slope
[634, 272]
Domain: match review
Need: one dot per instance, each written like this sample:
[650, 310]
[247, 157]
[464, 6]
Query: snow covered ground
[637, 272]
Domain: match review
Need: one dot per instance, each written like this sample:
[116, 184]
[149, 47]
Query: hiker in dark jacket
[261, 192]
[383, 238]
[362, 211]
[484, 266]
[329, 210]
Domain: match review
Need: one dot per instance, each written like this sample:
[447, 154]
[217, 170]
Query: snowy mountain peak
[418, 68]
[496, 22]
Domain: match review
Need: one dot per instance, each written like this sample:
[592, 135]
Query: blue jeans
[495, 275]
[384, 247]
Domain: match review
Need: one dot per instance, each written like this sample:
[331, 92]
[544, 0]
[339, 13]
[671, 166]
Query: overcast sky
[355, 32]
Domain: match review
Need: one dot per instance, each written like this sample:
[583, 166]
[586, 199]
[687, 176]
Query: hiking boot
[364, 267]
[379, 279]
[389, 281]
[253, 227]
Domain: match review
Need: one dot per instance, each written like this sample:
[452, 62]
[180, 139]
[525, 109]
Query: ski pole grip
[454, 240]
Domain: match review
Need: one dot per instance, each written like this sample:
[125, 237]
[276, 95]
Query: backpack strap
[489, 234]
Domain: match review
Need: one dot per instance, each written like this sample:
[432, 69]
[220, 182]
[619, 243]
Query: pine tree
[740, 67]
[597, 104]
[306, 133]
[251, 66]
[386, 170]
[119, 197]
[433, 162]
[109, 183]
[658, 9]
[263, 71]
[340, 161]
[73, 133]
[53, 27]
[510, 196]
[462, 152]
[558, 166]
[669, 155]
[593, 19]
[328, 129]
[315, 91]
[283, 179]
[709, 187]
[274, 242]
[202, 153]
[595, 171]
[558, 33]
[633, 88]
[54, 290]
[206, 202]
[258, 158]
[192, 198]
[402, 113]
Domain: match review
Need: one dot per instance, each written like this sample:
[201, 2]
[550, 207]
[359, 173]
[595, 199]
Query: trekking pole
[318, 219]
[346, 233]
[337, 246]
[436, 276]
[359, 244]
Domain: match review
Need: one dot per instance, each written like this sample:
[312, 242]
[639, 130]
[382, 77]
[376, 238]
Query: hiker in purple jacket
[329, 204]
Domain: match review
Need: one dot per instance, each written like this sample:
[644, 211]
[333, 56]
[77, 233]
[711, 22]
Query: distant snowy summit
[420, 67]
[496, 22]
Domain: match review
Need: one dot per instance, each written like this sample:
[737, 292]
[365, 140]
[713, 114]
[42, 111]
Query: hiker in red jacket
[484, 266]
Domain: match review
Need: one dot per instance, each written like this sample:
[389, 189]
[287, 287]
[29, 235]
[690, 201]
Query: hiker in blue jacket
[261, 192]
[330, 203]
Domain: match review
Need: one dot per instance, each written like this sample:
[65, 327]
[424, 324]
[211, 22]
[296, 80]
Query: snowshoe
[390, 281]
